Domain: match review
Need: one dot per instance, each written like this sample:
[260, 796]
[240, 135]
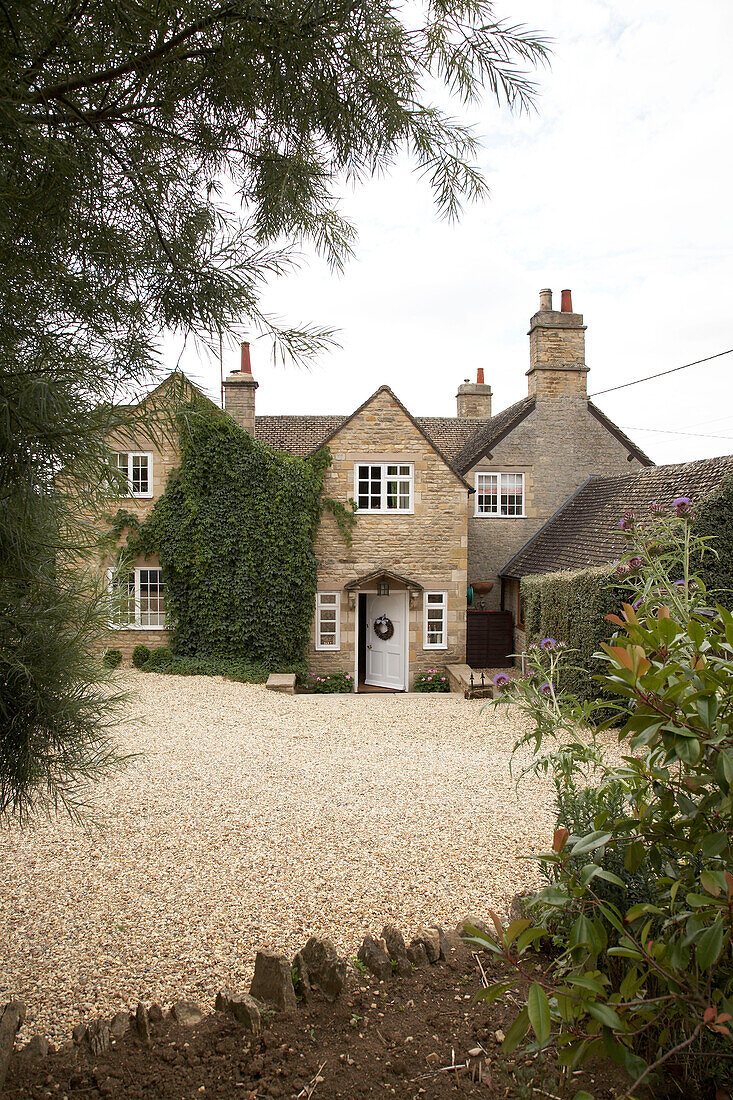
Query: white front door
[385, 657]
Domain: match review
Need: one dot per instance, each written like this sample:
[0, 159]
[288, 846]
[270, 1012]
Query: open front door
[386, 657]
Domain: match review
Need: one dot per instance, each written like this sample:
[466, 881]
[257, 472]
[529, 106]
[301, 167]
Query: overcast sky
[618, 188]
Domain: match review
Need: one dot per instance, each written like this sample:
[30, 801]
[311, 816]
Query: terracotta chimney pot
[566, 303]
[246, 362]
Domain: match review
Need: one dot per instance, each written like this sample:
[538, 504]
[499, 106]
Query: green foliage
[714, 522]
[571, 606]
[331, 683]
[433, 679]
[243, 671]
[111, 658]
[234, 534]
[140, 655]
[641, 895]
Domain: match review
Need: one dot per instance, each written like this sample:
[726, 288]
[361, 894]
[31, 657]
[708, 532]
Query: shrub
[140, 655]
[111, 658]
[433, 679]
[572, 605]
[332, 683]
[159, 660]
[644, 981]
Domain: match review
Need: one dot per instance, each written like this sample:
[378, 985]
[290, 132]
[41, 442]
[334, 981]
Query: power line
[661, 373]
[668, 431]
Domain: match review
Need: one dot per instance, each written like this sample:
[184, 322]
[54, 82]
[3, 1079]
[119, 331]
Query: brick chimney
[239, 393]
[557, 349]
[474, 398]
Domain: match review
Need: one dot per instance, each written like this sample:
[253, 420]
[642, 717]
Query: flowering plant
[433, 679]
[330, 683]
[649, 983]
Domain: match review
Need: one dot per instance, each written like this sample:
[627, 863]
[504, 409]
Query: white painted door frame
[405, 641]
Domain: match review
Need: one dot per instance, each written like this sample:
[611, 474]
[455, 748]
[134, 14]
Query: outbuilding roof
[585, 531]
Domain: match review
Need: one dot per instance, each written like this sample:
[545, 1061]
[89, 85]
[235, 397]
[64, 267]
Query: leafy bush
[159, 660]
[111, 658]
[642, 982]
[433, 679]
[140, 655]
[331, 683]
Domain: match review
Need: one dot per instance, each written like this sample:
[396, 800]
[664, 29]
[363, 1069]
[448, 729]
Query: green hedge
[571, 606]
[714, 519]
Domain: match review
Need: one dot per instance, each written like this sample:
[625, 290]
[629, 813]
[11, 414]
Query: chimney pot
[480, 376]
[545, 300]
[246, 362]
[566, 303]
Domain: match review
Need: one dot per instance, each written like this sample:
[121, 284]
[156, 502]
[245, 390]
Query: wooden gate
[489, 639]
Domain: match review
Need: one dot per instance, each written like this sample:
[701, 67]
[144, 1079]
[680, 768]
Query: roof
[456, 438]
[585, 532]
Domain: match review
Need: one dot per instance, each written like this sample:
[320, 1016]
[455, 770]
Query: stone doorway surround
[368, 585]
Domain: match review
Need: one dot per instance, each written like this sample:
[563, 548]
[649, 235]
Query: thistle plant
[650, 982]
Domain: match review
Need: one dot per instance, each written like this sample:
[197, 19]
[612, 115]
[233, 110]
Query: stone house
[443, 503]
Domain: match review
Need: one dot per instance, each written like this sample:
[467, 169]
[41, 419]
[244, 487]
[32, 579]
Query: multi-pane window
[138, 598]
[499, 494]
[328, 634]
[435, 620]
[136, 467]
[384, 486]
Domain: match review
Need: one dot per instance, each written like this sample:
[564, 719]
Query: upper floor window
[385, 486]
[499, 494]
[138, 598]
[137, 468]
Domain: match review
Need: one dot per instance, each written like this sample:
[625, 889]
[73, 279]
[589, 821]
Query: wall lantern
[383, 588]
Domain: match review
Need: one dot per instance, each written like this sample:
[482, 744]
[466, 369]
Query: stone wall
[428, 547]
[558, 446]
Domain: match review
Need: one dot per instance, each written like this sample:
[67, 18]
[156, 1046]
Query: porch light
[383, 588]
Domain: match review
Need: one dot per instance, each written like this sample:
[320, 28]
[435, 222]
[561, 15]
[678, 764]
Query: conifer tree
[160, 161]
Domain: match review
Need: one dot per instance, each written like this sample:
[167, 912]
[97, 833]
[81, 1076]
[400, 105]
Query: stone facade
[428, 547]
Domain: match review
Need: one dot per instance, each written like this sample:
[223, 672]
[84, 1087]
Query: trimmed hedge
[714, 519]
[571, 606]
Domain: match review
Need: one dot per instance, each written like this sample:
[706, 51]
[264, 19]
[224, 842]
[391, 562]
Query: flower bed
[433, 679]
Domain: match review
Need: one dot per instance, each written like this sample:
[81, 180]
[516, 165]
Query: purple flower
[657, 509]
[626, 523]
[622, 569]
[682, 505]
[637, 604]
[635, 563]
[546, 689]
[501, 680]
[548, 643]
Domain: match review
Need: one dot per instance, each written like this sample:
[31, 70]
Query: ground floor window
[435, 620]
[138, 598]
[328, 632]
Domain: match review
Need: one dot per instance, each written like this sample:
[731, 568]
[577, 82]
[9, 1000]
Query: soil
[395, 1038]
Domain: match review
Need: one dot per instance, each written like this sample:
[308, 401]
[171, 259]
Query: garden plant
[637, 915]
[433, 679]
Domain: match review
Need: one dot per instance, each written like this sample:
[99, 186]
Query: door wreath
[383, 628]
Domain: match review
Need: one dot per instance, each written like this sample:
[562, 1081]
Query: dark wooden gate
[489, 639]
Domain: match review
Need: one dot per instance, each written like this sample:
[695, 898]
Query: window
[328, 631]
[435, 634]
[499, 494]
[137, 468]
[138, 599]
[384, 486]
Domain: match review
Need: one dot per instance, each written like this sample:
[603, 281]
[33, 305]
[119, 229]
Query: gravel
[254, 820]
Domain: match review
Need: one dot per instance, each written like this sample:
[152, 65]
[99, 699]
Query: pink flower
[430, 677]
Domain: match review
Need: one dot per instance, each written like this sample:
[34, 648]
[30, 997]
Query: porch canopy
[382, 575]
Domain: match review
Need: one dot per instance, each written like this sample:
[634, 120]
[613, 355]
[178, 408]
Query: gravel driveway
[255, 820]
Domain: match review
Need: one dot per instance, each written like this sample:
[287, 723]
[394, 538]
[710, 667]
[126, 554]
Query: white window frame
[499, 474]
[137, 624]
[443, 605]
[383, 510]
[333, 603]
[130, 456]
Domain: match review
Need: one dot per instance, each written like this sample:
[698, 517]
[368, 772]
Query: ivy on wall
[234, 534]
